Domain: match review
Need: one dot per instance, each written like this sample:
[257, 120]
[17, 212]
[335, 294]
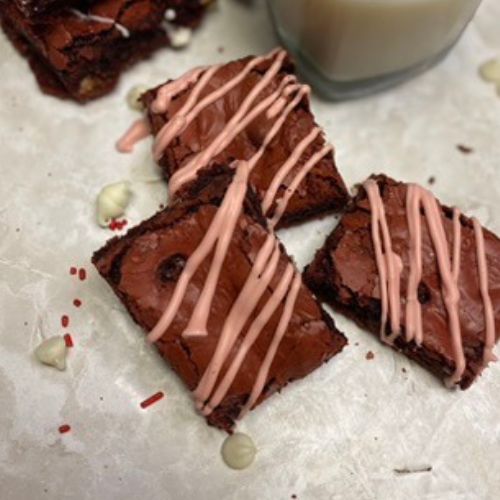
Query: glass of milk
[349, 48]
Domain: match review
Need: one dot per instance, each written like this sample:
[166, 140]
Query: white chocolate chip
[133, 97]
[180, 37]
[52, 352]
[170, 14]
[490, 71]
[238, 451]
[112, 202]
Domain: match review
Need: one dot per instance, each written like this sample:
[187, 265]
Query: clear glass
[349, 48]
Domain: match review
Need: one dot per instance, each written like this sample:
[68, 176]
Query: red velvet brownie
[212, 116]
[222, 301]
[80, 53]
[419, 274]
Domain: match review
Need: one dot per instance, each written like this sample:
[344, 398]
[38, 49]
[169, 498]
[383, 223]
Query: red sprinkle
[117, 225]
[73, 270]
[77, 302]
[63, 429]
[151, 400]
[65, 321]
[68, 340]
[82, 274]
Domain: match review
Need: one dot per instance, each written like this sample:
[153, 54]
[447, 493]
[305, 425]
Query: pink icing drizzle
[271, 353]
[258, 280]
[246, 113]
[228, 212]
[389, 264]
[418, 198]
[489, 315]
[136, 133]
[253, 333]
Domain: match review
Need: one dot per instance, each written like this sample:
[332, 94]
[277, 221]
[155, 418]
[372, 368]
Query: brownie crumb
[417, 470]
[466, 150]
[356, 343]
[431, 180]
[294, 496]
[403, 370]
[369, 355]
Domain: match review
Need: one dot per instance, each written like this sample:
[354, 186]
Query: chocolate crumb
[221, 50]
[417, 470]
[369, 355]
[403, 370]
[356, 343]
[294, 496]
[431, 180]
[466, 150]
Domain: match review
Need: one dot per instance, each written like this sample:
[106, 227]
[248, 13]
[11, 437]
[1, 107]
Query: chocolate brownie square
[261, 328]
[80, 52]
[214, 115]
[419, 274]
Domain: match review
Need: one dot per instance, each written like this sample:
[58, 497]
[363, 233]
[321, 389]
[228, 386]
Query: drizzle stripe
[489, 315]
[237, 190]
[271, 352]
[252, 335]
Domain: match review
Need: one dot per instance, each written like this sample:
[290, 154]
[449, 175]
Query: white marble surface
[340, 433]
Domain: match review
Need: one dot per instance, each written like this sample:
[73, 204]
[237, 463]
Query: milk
[348, 40]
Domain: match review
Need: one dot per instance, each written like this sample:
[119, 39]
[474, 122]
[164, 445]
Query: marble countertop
[339, 434]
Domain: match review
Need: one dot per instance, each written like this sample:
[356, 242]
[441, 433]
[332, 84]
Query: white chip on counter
[238, 451]
[490, 71]
[52, 352]
[112, 202]
[180, 37]
[133, 97]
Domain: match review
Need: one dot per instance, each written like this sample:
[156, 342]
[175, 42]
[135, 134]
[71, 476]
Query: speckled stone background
[338, 434]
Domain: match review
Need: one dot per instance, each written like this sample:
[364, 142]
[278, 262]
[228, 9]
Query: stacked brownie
[78, 49]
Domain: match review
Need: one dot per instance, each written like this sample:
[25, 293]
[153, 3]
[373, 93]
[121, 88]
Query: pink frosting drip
[273, 348]
[138, 131]
[257, 282]
[388, 263]
[229, 210]
[252, 335]
[489, 315]
[246, 113]
[418, 198]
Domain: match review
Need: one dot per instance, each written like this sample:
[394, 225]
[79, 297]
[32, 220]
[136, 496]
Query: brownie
[80, 54]
[320, 191]
[345, 274]
[144, 267]
[34, 8]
